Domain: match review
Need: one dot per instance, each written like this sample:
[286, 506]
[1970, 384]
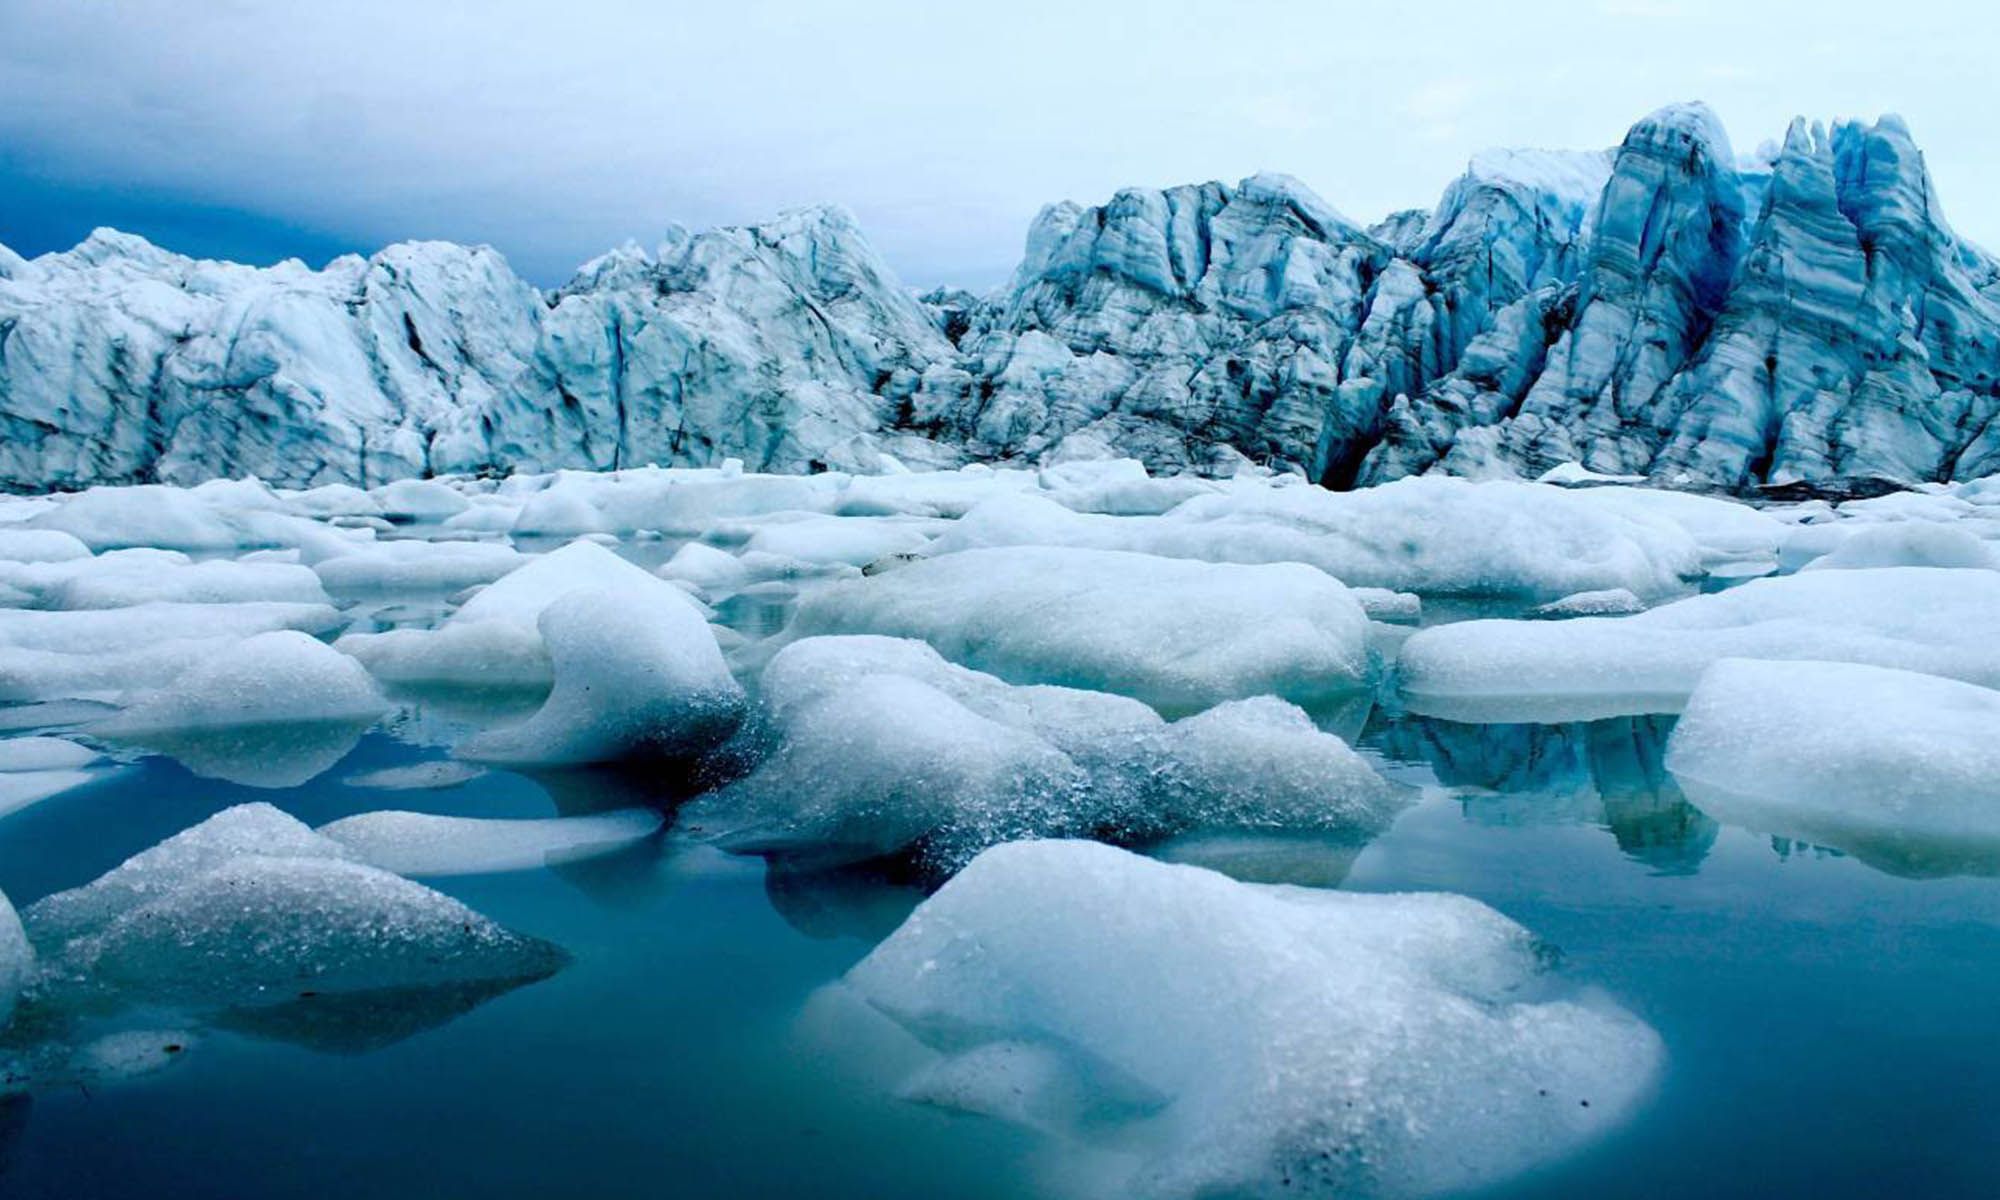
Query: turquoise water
[1831, 1027]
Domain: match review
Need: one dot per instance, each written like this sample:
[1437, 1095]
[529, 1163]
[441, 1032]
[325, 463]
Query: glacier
[1802, 317]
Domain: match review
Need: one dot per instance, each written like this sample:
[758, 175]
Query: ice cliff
[1664, 309]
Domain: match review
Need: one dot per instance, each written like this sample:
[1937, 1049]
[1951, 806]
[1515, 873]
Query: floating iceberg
[271, 711]
[40, 546]
[17, 959]
[1431, 535]
[251, 908]
[1898, 768]
[131, 581]
[35, 768]
[262, 930]
[1176, 634]
[492, 641]
[632, 681]
[409, 843]
[1207, 1037]
[232, 833]
[1904, 544]
[1933, 620]
[882, 747]
[415, 566]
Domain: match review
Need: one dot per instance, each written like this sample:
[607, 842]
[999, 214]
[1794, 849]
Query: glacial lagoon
[1823, 1011]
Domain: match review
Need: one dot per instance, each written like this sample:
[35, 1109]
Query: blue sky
[261, 130]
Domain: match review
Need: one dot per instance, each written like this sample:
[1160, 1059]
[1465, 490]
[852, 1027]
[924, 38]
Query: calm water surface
[1831, 1026]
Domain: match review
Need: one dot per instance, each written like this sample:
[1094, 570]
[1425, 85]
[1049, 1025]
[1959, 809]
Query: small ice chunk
[1897, 768]
[127, 582]
[1177, 634]
[99, 631]
[1934, 620]
[171, 518]
[40, 546]
[488, 514]
[492, 640]
[1572, 474]
[413, 566]
[274, 710]
[419, 500]
[418, 777]
[1381, 604]
[1611, 602]
[1262, 764]
[715, 572]
[332, 500]
[883, 747]
[1213, 1037]
[885, 762]
[260, 930]
[1905, 544]
[522, 595]
[499, 655]
[632, 681]
[17, 959]
[277, 678]
[44, 754]
[245, 829]
[411, 843]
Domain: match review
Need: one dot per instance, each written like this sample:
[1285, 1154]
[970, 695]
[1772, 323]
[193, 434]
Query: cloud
[554, 132]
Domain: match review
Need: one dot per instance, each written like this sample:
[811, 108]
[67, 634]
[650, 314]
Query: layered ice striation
[1664, 310]
[1207, 1037]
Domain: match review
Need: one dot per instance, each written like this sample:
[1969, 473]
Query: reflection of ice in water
[264, 756]
[1606, 772]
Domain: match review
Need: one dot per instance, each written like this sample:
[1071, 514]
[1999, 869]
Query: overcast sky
[556, 130]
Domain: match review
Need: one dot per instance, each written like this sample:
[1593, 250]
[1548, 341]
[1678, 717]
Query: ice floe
[882, 747]
[411, 843]
[1933, 620]
[17, 958]
[632, 681]
[1177, 634]
[1898, 768]
[492, 640]
[1197, 1036]
[1429, 535]
[272, 711]
[253, 908]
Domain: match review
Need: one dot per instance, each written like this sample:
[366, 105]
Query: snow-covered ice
[251, 907]
[1202, 1036]
[492, 640]
[17, 959]
[1899, 768]
[281, 677]
[883, 747]
[641, 680]
[411, 843]
[260, 930]
[1430, 535]
[1177, 634]
[1934, 620]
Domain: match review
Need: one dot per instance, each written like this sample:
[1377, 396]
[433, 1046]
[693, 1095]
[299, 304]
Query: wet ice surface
[1824, 1014]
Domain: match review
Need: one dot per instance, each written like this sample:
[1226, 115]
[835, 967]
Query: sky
[554, 131]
